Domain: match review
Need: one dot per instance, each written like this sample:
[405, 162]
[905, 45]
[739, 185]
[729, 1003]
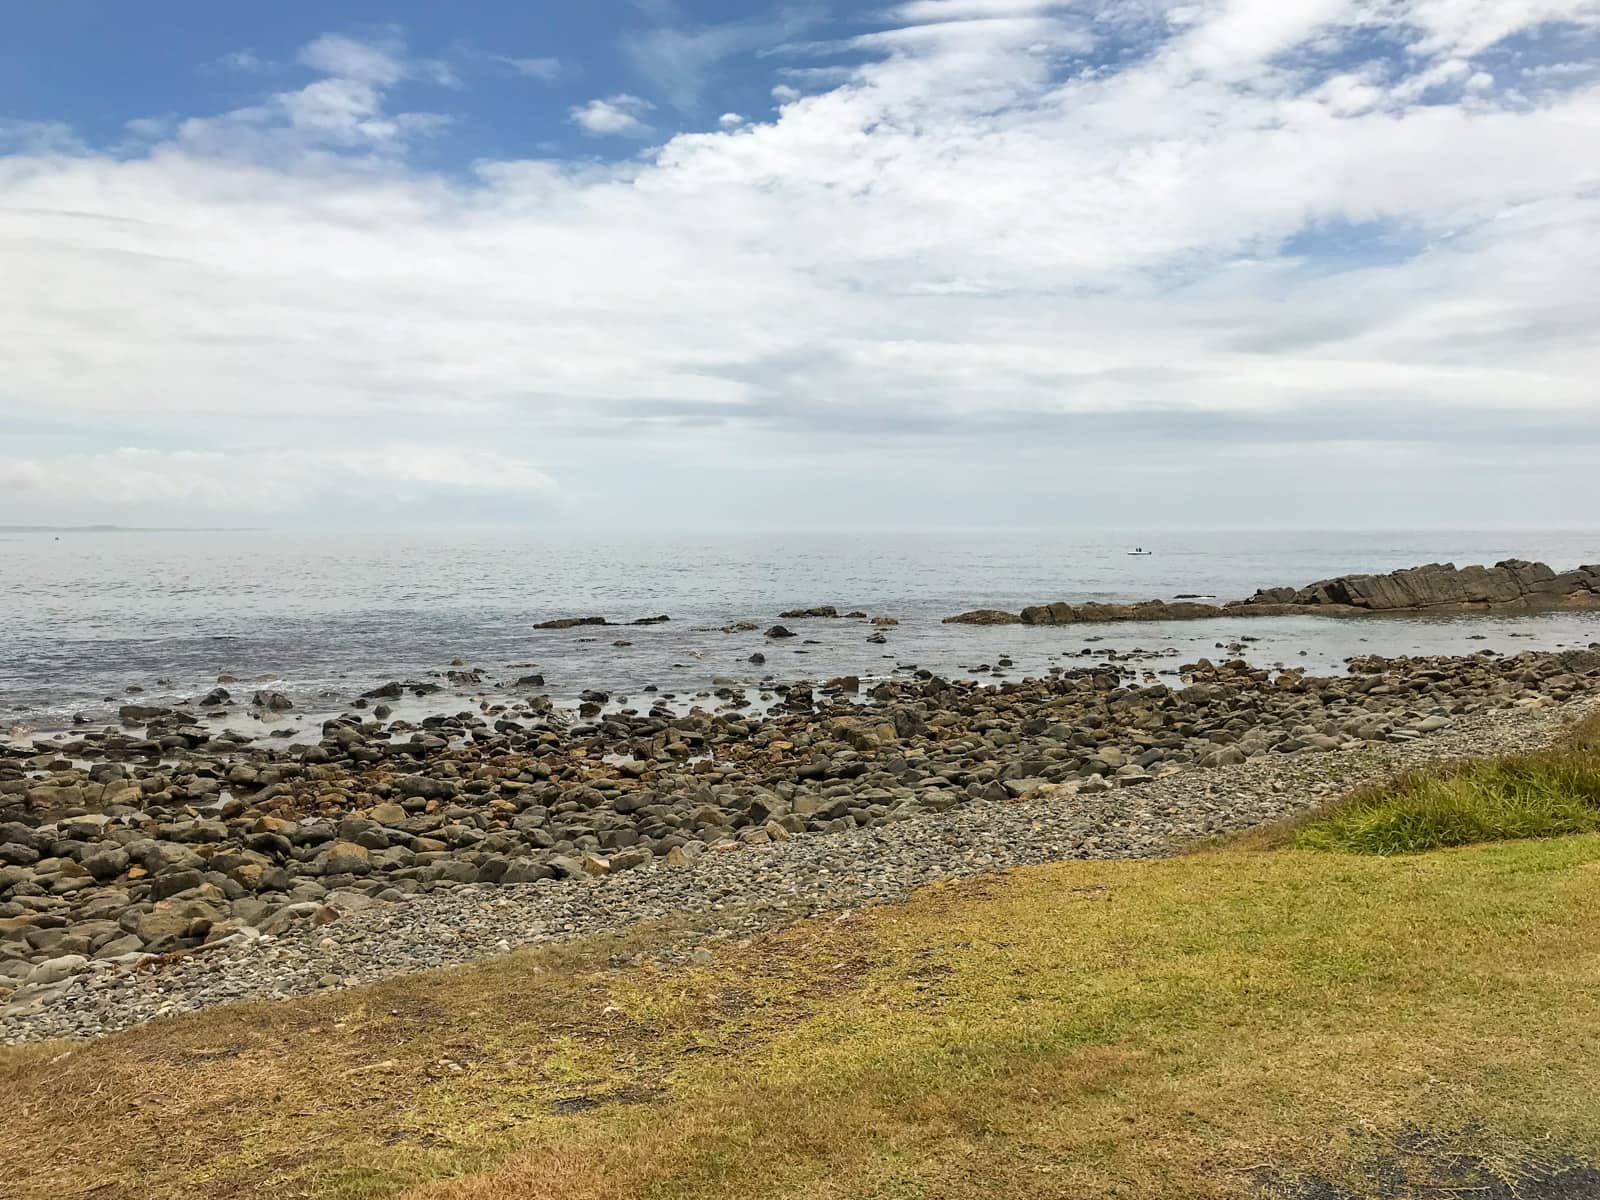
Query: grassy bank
[1544, 793]
[1200, 1026]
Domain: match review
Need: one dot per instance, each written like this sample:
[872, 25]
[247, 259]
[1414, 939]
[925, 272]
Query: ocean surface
[84, 617]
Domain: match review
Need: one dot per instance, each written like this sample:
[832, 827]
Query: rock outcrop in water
[1437, 588]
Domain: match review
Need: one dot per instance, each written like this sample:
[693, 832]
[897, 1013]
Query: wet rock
[139, 714]
[983, 616]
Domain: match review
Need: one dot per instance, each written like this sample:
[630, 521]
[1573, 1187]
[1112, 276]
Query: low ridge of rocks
[1513, 585]
[126, 851]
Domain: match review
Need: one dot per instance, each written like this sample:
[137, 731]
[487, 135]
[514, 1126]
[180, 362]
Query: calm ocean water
[86, 616]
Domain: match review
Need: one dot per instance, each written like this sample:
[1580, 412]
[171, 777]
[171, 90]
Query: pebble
[752, 886]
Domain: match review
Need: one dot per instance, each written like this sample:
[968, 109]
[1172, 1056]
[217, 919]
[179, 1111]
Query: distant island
[131, 528]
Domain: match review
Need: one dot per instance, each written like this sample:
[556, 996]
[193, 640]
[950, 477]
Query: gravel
[743, 888]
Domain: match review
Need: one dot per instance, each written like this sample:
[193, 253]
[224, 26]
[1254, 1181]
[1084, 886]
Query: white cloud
[964, 260]
[1466, 27]
[152, 128]
[617, 114]
[962, 10]
[730, 120]
[377, 63]
[38, 137]
[344, 109]
[546, 70]
[678, 60]
[247, 61]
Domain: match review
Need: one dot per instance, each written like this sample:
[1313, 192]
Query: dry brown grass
[1121, 1029]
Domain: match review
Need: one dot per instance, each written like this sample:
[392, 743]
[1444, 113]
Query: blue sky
[694, 264]
[507, 75]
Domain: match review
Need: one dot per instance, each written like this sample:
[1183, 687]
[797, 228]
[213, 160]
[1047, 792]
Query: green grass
[1547, 793]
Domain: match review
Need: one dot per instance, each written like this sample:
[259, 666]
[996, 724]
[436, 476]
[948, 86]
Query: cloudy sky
[690, 264]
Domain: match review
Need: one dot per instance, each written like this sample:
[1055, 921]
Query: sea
[91, 620]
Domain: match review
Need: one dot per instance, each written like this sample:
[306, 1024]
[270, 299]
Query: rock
[130, 943]
[347, 858]
[571, 622]
[661, 620]
[1512, 585]
[139, 714]
[983, 616]
[215, 697]
[627, 860]
[171, 882]
[389, 814]
[778, 631]
[423, 787]
[54, 970]
[272, 701]
[176, 919]
[794, 614]
[526, 871]
[107, 864]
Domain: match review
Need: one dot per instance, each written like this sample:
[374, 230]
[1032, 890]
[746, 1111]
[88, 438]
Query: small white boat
[1139, 552]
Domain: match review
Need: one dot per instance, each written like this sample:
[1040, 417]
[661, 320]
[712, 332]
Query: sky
[683, 265]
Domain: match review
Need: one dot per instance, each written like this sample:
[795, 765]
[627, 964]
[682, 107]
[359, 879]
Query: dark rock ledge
[1435, 589]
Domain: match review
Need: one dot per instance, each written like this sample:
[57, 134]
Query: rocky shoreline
[132, 865]
[1437, 589]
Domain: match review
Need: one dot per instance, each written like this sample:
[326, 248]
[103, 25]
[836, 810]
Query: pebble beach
[157, 870]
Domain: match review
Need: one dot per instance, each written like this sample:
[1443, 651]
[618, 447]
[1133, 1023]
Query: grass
[1546, 793]
[1134, 1029]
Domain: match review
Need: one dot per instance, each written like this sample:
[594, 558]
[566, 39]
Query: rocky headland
[133, 860]
[1436, 589]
